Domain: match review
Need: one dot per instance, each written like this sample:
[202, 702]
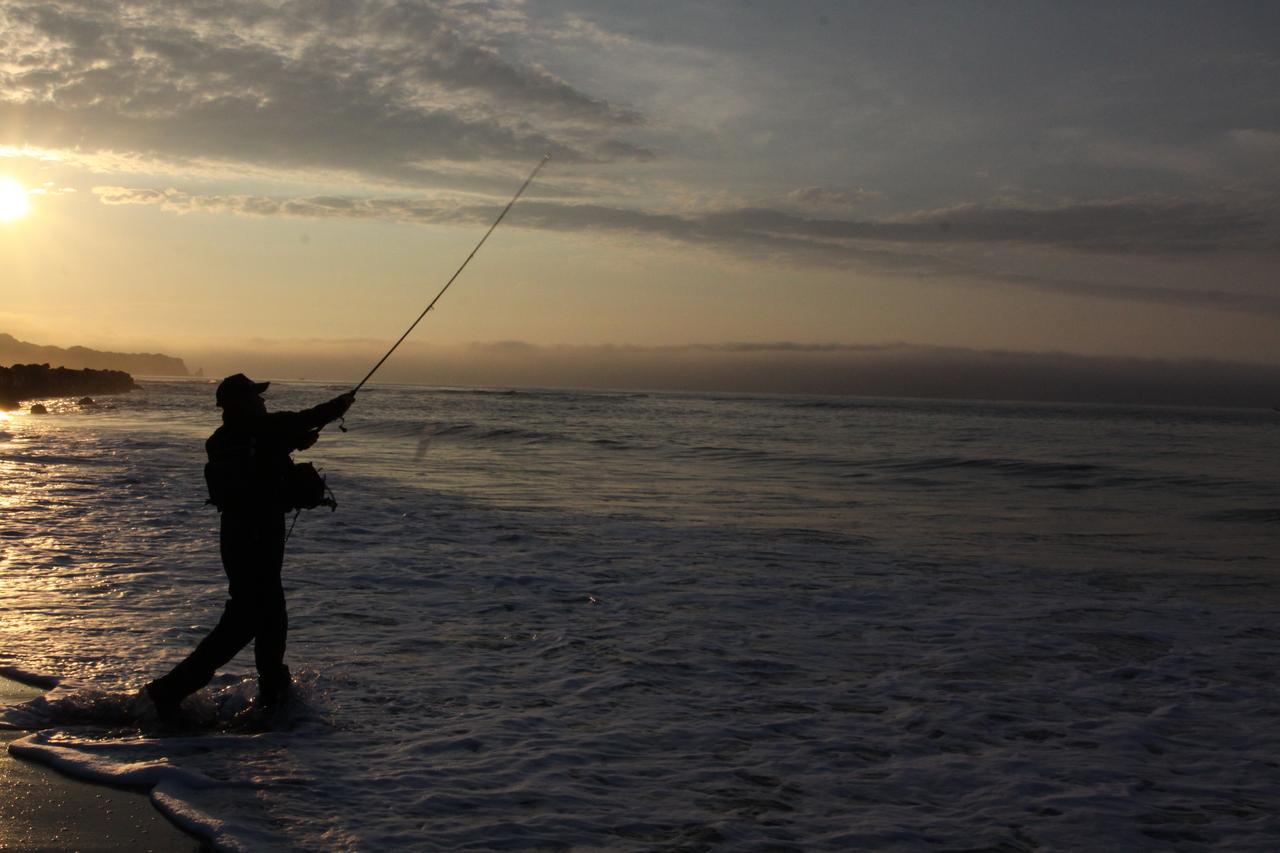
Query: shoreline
[43, 809]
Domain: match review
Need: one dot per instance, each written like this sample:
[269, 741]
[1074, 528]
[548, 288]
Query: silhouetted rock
[88, 401]
[31, 381]
[39, 409]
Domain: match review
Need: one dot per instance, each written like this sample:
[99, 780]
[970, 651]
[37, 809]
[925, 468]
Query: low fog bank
[888, 371]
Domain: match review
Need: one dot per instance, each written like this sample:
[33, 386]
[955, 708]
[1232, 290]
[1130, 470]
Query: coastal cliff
[14, 351]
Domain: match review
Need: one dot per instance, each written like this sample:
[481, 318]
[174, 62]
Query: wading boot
[166, 706]
[273, 691]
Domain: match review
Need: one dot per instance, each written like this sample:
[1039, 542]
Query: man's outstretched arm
[299, 430]
[317, 416]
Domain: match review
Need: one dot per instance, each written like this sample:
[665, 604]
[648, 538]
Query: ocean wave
[828, 404]
[1063, 475]
[459, 430]
[54, 459]
[1248, 515]
[727, 454]
[550, 394]
[1002, 465]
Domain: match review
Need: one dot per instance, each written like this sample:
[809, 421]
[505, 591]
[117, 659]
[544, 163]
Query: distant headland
[14, 351]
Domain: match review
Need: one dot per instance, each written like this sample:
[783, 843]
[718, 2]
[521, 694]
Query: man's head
[239, 394]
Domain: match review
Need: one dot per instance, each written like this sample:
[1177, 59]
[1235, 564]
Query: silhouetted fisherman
[249, 481]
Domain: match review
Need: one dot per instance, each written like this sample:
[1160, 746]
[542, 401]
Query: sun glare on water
[14, 203]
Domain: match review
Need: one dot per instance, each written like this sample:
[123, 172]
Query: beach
[41, 809]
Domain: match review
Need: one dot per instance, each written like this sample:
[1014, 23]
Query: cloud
[890, 247]
[1263, 142]
[420, 211]
[1171, 228]
[828, 197]
[617, 149]
[1126, 225]
[372, 87]
[1217, 300]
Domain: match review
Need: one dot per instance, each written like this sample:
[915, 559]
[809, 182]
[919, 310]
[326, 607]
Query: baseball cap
[238, 387]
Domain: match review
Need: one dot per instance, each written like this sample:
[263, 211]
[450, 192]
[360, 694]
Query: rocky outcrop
[14, 351]
[33, 381]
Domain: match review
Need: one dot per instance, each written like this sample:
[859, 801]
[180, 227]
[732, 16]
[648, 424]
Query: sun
[14, 203]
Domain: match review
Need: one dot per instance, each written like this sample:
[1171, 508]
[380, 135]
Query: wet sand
[40, 809]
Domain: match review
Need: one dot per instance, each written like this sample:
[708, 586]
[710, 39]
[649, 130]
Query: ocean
[567, 620]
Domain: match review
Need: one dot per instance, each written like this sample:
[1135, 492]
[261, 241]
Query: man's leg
[232, 633]
[237, 545]
[269, 644]
[272, 619]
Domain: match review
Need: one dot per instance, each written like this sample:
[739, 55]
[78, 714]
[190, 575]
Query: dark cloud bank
[899, 247]
[884, 371]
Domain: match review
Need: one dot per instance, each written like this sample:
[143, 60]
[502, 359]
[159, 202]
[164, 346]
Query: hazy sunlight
[14, 203]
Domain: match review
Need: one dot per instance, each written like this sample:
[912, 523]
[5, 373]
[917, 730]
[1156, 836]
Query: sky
[233, 182]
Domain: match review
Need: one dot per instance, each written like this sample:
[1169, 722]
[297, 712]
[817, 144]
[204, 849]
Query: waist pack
[305, 488]
[300, 486]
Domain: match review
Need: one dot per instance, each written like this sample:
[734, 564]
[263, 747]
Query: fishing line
[289, 532]
[501, 215]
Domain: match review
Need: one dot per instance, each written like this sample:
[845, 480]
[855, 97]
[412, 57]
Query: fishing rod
[342, 420]
[501, 215]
